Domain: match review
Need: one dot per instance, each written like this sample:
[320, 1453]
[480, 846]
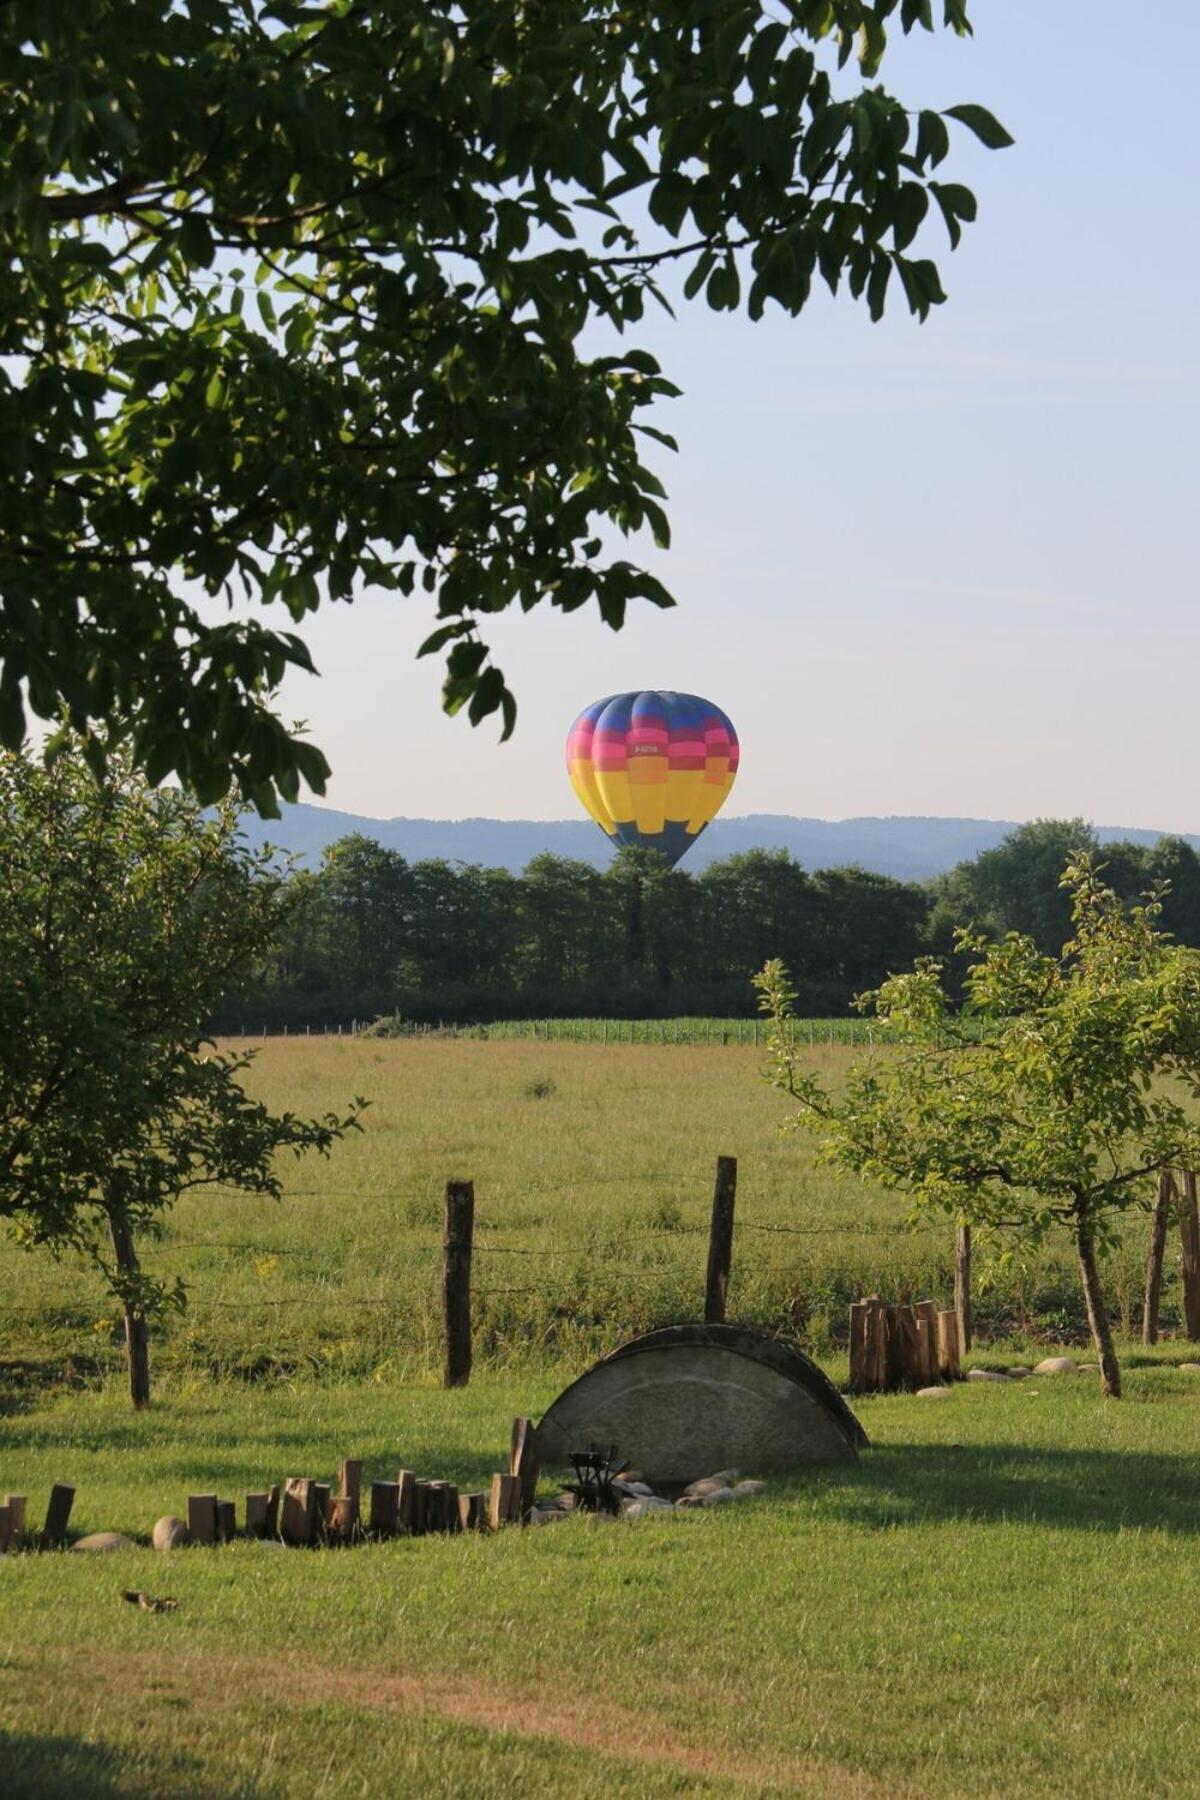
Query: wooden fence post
[1159, 1220]
[962, 1285]
[720, 1241]
[1189, 1235]
[456, 1281]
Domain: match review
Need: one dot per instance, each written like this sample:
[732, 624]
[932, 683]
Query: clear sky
[944, 569]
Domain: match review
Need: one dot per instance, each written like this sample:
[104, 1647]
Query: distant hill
[912, 849]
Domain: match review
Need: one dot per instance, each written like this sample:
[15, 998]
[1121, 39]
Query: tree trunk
[1097, 1312]
[962, 1285]
[137, 1343]
[1189, 1235]
[1154, 1256]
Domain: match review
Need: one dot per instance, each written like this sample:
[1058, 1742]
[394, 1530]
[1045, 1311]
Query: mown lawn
[998, 1600]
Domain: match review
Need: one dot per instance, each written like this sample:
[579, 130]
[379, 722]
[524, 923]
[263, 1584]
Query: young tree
[301, 294]
[125, 914]
[1055, 1099]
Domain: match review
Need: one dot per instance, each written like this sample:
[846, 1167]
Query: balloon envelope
[653, 768]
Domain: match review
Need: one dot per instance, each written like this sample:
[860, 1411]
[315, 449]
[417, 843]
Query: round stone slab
[698, 1397]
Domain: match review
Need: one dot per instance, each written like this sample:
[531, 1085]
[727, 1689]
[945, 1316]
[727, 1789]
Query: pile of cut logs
[304, 1511]
[12, 1518]
[894, 1347]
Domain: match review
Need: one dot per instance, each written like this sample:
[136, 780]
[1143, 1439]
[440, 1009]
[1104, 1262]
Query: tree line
[369, 933]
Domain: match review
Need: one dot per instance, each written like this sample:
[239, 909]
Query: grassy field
[994, 1602]
[593, 1171]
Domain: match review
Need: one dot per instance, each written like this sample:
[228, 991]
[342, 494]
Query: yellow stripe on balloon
[683, 793]
[583, 780]
[716, 785]
[648, 785]
[613, 787]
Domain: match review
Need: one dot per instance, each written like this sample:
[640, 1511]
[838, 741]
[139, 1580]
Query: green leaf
[986, 127]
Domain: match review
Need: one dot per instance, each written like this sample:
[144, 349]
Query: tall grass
[593, 1172]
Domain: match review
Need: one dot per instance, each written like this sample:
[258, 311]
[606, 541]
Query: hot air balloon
[653, 768]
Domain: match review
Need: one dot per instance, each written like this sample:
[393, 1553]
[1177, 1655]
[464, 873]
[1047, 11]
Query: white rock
[1189, 1368]
[726, 1477]
[1019, 1372]
[985, 1375]
[641, 1509]
[170, 1533]
[104, 1540]
[640, 1489]
[721, 1497]
[933, 1393]
[746, 1490]
[1057, 1365]
[1087, 1368]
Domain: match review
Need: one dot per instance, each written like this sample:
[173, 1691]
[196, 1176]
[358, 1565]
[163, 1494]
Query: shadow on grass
[49, 1767]
[1082, 1490]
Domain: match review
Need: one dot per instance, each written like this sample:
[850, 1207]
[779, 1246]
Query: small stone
[1087, 1368]
[1019, 1372]
[641, 1509]
[1189, 1368]
[547, 1515]
[721, 1497]
[170, 1533]
[727, 1477]
[985, 1375]
[104, 1540]
[933, 1393]
[640, 1489]
[748, 1490]
[696, 1490]
[1057, 1365]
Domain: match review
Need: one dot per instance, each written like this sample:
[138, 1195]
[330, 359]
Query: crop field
[593, 1170]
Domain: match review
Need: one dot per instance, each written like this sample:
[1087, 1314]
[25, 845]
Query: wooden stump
[343, 1518]
[6, 1526]
[256, 1515]
[384, 1498]
[406, 1487]
[925, 1373]
[473, 1512]
[524, 1463]
[58, 1512]
[16, 1516]
[202, 1518]
[948, 1348]
[226, 1521]
[503, 1500]
[298, 1522]
[350, 1480]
